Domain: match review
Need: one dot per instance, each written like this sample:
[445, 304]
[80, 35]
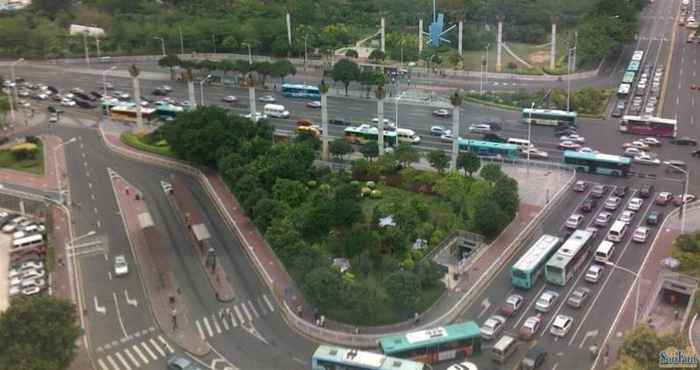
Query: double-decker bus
[525, 272]
[301, 91]
[648, 126]
[548, 117]
[633, 66]
[628, 77]
[337, 358]
[488, 148]
[562, 266]
[602, 164]
[365, 133]
[436, 344]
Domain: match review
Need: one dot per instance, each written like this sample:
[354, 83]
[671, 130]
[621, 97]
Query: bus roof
[539, 250]
[170, 108]
[429, 337]
[28, 239]
[367, 129]
[365, 359]
[299, 86]
[553, 112]
[487, 144]
[131, 107]
[570, 248]
[597, 157]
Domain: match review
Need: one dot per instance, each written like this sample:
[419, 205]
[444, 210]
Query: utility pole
[182, 45]
[305, 51]
[97, 41]
[85, 46]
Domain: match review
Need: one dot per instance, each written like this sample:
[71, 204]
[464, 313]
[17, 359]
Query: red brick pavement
[151, 254]
[47, 181]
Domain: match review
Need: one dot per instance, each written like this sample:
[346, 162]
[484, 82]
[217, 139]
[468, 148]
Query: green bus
[602, 164]
[489, 148]
[628, 77]
[562, 266]
[525, 272]
[548, 117]
[365, 133]
[434, 345]
[633, 66]
[336, 358]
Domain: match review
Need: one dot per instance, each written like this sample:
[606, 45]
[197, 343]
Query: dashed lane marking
[272, 309]
[112, 362]
[216, 324]
[137, 350]
[238, 314]
[206, 325]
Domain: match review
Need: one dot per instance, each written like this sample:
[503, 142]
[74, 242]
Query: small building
[76, 29]
[342, 264]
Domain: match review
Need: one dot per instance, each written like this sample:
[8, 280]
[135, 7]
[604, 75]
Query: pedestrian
[677, 314]
[357, 330]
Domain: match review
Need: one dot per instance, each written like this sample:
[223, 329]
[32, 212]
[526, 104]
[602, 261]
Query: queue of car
[27, 274]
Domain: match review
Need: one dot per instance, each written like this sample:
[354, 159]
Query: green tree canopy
[491, 172]
[345, 71]
[403, 289]
[439, 160]
[469, 162]
[340, 147]
[370, 150]
[406, 154]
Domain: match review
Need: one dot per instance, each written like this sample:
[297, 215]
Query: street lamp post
[250, 54]
[637, 281]
[305, 52]
[486, 68]
[201, 89]
[104, 79]
[683, 195]
[58, 175]
[529, 135]
[162, 43]
[13, 91]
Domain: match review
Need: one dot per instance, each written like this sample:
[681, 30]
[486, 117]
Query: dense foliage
[311, 216]
[38, 333]
[586, 101]
[641, 347]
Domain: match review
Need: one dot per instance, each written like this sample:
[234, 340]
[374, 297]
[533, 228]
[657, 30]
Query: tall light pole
[162, 43]
[637, 281]
[250, 54]
[683, 195]
[486, 68]
[529, 134]
[104, 79]
[201, 89]
[305, 52]
[13, 91]
[55, 160]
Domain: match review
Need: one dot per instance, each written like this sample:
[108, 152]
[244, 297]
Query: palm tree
[135, 72]
[380, 94]
[456, 101]
[323, 88]
[251, 94]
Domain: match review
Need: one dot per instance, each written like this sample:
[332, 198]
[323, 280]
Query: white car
[26, 283]
[640, 234]
[633, 152]
[651, 140]
[315, 104]
[569, 145]
[603, 218]
[121, 268]
[561, 326]
[11, 226]
[574, 221]
[635, 204]
[480, 127]
[34, 274]
[573, 137]
[267, 99]
[587, 149]
[30, 291]
[447, 136]
[612, 203]
[67, 103]
[438, 130]
[546, 301]
[627, 216]
[442, 113]
[42, 96]
[463, 366]
[387, 122]
[167, 187]
[594, 273]
[639, 144]
[647, 159]
[229, 99]
[166, 88]
[534, 153]
[492, 327]
[258, 115]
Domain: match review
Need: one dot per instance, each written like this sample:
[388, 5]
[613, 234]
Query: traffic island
[151, 255]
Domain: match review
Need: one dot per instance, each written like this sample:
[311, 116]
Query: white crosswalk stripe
[245, 309]
[131, 357]
[216, 324]
[255, 312]
[199, 329]
[166, 344]
[102, 363]
[267, 300]
[261, 305]
[206, 325]
[156, 346]
[137, 350]
[238, 314]
[122, 360]
[113, 363]
[224, 322]
[233, 319]
[148, 350]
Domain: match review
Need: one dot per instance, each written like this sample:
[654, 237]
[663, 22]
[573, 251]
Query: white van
[503, 349]
[521, 143]
[276, 111]
[407, 136]
[28, 241]
[605, 251]
[617, 231]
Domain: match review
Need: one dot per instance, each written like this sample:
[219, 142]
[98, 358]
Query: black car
[339, 122]
[621, 191]
[655, 217]
[646, 191]
[534, 359]
[565, 131]
[84, 96]
[617, 112]
[589, 205]
[56, 98]
[695, 153]
[52, 89]
[85, 104]
[684, 140]
[96, 94]
[159, 92]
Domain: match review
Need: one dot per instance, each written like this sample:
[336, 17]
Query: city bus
[638, 55]
[128, 113]
[623, 90]
[489, 148]
[365, 133]
[548, 117]
[633, 66]
[648, 126]
[168, 111]
[525, 272]
[434, 345]
[336, 358]
[301, 91]
[602, 164]
[628, 77]
[562, 266]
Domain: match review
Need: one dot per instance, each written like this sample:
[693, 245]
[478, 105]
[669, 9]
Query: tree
[345, 71]
[291, 192]
[51, 8]
[265, 210]
[376, 56]
[506, 195]
[283, 68]
[38, 333]
[643, 344]
[406, 154]
[352, 53]
[323, 287]
[170, 61]
[490, 219]
[284, 237]
[491, 172]
[370, 150]
[403, 289]
[468, 162]
[340, 147]
[439, 160]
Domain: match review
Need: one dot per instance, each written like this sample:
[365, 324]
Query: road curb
[669, 59]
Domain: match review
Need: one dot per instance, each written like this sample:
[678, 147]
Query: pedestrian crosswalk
[240, 314]
[136, 354]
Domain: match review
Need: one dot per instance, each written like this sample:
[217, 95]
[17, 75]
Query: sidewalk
[47, 181]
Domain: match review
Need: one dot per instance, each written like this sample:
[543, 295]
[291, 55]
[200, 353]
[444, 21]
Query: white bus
[525, 272]
[407, 136]
[276, 111]
[568, 259]
[521, 143]
[28, 241]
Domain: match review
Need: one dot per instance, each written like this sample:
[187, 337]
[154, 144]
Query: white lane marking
[96, 211]
[165, 343]
[255, 312]
[485, 304]
[223, 321]
[199, 328]
[102, 363]
[130, 301]
[90, 185]
[233, 320]
[131, 357]
[123, 361]
[529, 306]
[591, 333]
[216, 324]
[98, 308]
[148, 350]
[259, 301]
[245, 309]
[677, 99]
[272, 309]
[113, 363]
[157, 347]
[119, 315]
[206, 325]
[137, 350]
[238, 314]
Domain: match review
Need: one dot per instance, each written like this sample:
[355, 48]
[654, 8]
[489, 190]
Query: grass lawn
[35, 166]
[141, 142]
[689, 265]
[472, 58]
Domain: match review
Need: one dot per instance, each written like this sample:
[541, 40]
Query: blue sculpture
[435, 30]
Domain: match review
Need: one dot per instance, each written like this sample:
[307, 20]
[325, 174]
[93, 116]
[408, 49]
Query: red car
[512, 305]
[679, 199]
[530, 327]
[664, 198]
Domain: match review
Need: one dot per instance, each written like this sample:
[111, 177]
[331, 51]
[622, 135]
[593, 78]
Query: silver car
[492, 327]
[546, 301]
